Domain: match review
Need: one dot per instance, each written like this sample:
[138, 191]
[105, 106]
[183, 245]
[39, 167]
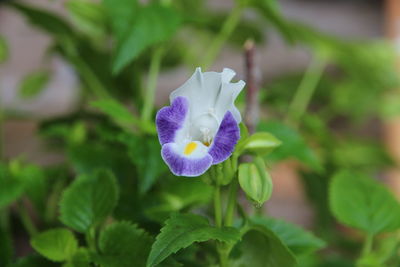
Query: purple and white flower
[201, 126]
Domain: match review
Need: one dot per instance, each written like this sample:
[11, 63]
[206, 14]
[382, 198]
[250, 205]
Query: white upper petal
[210, 92]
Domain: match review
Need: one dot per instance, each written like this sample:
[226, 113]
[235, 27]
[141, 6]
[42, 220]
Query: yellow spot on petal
[190, 147]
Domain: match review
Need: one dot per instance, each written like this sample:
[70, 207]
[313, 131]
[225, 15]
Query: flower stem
[150, 93]
[217, 206]
[226, 30]
[305, 91]
[367, 247]
[230, 210]
[26, 220]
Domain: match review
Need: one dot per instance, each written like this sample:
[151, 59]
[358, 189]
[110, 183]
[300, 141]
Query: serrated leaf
[261, 143]
[255, 181]
[182, 230]
[3, 50]
[89, 200]
[122, 244]
[299, 241]
[56, 244]
[33, 84]
[363, 203]
[260, 247]
[152, 24]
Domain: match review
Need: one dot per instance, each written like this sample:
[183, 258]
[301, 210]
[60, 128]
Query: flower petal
[170, 119]
[225, 140]
[186, 162]
[210, 91]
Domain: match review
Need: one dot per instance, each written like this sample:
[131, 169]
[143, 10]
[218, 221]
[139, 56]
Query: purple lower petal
[184, 166]
[170, 119]
[225, 140]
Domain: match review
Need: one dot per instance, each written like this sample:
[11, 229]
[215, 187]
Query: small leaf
[120, 114]
[261, 144]
[152, 24]
[262, 248]
[182, 230]
[122, 244]
[44, 20]
[89, 200]
[81, 258]
[11, 188]
[3, 50]
[56, 244]
[363, 203]
[293, 145]
[33, 84]
[144, 152]
[296, 239]
[89, 16]
[255, 181]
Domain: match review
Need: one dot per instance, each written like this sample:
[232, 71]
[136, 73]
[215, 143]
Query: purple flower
[200, 128]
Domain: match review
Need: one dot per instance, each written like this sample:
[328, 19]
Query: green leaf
[293, 145]
[11, 188]
[89, 16]
[3, 50]
[120, 114]
[363, 203]
[6, 246]
[260, 247]
[56, 244]
[34, 181]
[81, 258]
[295, 238]
[261, 143]
[144, 152]
[122, 244]
[121, 15]
[182, 230]
[33, 84]
[44, 20]
[89, 200]
[270, 11]
[152, 24]
[33, 260]
[179, 194]
[255, 181]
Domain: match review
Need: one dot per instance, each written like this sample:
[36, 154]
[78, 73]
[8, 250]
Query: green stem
[217, 206]
[90, 237]
[229, 26]
[305, 91]
[26, 220]
[232, 201]
[367, 248]
[150, 93]
[52, 202]
[2, 119]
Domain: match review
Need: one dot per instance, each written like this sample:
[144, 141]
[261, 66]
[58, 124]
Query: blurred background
[358, 20]
[325, 70]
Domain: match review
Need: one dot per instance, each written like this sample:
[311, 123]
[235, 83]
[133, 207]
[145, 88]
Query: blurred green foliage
[115, 192]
